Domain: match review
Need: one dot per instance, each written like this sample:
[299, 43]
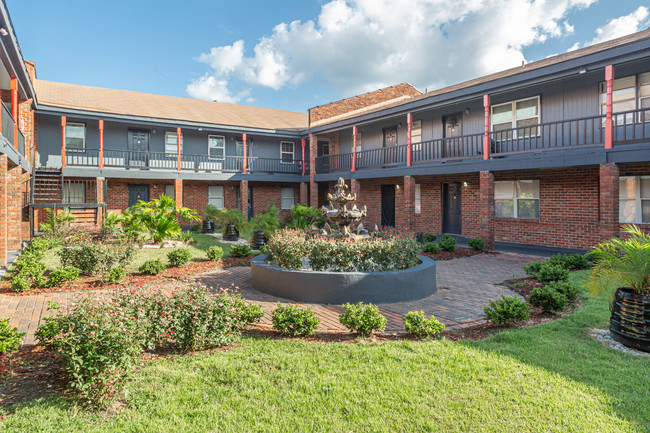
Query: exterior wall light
[465, 184]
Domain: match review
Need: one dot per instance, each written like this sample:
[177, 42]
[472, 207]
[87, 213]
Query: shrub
[424, 238]
[476, 244]
[570, 290]
[179, 256]
[506, 310]
[362, 318]
[303, 217]
[291, 320]
[152, 267]
[10, 338]
[576, 262]
[57, 226]
[214, 253]
[30, 272]
[240, 251]
[58, 276]
[110, 223]
[548, 273]
[534, 267]
[417, 324]
[431, 247]
[548, 299]
[115, 275]
[20, 283]
[159, 218]
[447, 243]
[94, 258]
[244, 313]
[286, 248]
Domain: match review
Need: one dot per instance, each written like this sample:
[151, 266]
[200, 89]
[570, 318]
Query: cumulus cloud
[617, 27]
[361, 45]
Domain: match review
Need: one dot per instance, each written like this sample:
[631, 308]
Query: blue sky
[298, 54]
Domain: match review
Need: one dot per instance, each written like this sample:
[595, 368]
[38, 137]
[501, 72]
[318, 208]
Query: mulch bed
[184, 272]
[459, 252]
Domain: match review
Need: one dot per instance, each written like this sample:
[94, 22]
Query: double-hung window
[623, 99]
[644, 96]
[75, 137]
[216, 146]
[418, 198]
[517, 119]
[516, 199]
[286, 152]
[359, 142]
[170, 191]
[634, 199]
[74, 192]
[171, 143]
[286, 198]
[215, 196]
[416, 135]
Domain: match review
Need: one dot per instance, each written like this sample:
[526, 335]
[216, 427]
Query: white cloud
[617, 27]
[360, 45]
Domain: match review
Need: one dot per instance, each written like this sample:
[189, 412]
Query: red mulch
[459, 252]
[93, 283]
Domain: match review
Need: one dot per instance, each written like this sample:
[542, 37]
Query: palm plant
[230, 217]
[303, 217]
[58, 224]
[159, 217]
[266, 222]
[622, 263]
[110, 223]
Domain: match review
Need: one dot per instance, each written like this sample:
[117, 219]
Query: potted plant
[621, 274]
[232, 221]
[263, 225]
[211, 214]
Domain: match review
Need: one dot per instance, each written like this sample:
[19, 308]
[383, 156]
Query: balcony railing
[166, 161]
[8, 129]
[631, 126]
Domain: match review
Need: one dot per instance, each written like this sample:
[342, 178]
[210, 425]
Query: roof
[124, 102]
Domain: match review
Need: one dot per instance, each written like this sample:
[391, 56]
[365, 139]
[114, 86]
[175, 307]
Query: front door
[388, 205]
[138, 148]
[453, 129]
[323, 149]
[251, 209]
[138, 192]
[390, 141]
[451, 208]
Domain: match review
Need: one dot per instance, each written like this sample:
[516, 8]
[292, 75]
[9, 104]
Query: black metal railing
[273, 165]
[334, 163]
[464, 146]
[631, 126]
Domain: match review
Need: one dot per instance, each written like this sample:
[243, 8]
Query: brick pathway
[465, 286]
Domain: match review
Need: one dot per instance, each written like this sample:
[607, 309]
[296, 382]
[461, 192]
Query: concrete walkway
[465, 286]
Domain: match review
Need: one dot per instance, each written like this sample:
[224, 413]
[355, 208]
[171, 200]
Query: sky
[297, 54]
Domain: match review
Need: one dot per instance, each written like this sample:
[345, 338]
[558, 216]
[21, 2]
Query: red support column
[178, 149]
[609, 125]
[63, 118]
[302, 142]
[409, 148]
[245, 161]
[313, 186]
[100, 156]
[486, 138]
[14, 108]
[354, 147]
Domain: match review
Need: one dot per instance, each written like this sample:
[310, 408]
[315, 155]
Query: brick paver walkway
[465, 286]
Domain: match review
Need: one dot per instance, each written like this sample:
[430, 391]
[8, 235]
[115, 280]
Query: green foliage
[417, 324]
[152, 267]
[159, 218]
[185, 236]
[226, 217]
[622, 263]
[58, 276]
[28, 269]
[115, 275]
[567, 288]
[58, 224]
[286, 248]
[424, 238]
[266, 222]
[94, 258]
[240, 250]
[506, 310]
[20, 283]
[179, 256]
[362, 318]
[303, 217]
[431, 248]
[548, 299]
[549, 272]
[10, 338]
[111, 223]
[571, 262]
[447, 243]
[214, 253]
[291, 320]
[477, 244]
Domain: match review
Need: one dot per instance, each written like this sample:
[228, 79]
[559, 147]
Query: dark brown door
[323, 149]
[388, 205]
[138, 192]
[451, 208]
[390, 141]
[453, 129]
[323, 189]
[251, 209]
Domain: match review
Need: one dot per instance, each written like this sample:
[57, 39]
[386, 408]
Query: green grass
[548, 378]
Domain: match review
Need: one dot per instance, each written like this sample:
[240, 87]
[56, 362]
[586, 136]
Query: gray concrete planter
[340, 287]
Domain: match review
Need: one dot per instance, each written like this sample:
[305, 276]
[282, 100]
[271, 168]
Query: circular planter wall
[630, 321]
[339, 287]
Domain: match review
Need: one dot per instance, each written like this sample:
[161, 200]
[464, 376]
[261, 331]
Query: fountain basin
[340, 287]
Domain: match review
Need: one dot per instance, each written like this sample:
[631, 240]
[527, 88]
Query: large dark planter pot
[630, 321]
[258, 241]
[208, 226]
[231, 233]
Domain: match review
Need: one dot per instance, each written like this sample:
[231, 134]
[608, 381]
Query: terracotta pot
[630, 320]
[259, 240]
[231, 234]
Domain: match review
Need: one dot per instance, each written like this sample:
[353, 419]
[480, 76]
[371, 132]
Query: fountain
[337, 212]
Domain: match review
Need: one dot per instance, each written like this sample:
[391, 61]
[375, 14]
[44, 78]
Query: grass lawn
[198, 248]
[548, 378]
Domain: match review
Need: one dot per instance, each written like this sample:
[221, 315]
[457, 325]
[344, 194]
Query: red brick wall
[264, 194]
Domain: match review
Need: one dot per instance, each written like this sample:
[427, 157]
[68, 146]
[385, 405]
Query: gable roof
[124, 102]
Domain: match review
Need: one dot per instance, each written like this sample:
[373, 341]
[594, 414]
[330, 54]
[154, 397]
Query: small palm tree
[160, 217]
[266, 222]
[110, 223]
[622, 263]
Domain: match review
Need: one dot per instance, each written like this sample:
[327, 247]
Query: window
[216, 146]
[416, 135]
[644, 96]
[516, 199]
[74, 192]
[418, 201]
[286, 152]
[623, 98]
[286, 201]
[634, 199]
[171, 145]
[215, 196]
[520, 116]
[359, 142]
[240, 147]
[170, 191]
[75, 136]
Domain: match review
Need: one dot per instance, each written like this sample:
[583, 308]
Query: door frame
[445, 206]
[148, 186]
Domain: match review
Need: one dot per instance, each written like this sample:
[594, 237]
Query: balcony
[129, 159]
[628, 127]
[8, 129]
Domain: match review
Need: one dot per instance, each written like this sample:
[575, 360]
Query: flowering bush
[362, 318]
[93, 258]
[286, 248]
[417, 324]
